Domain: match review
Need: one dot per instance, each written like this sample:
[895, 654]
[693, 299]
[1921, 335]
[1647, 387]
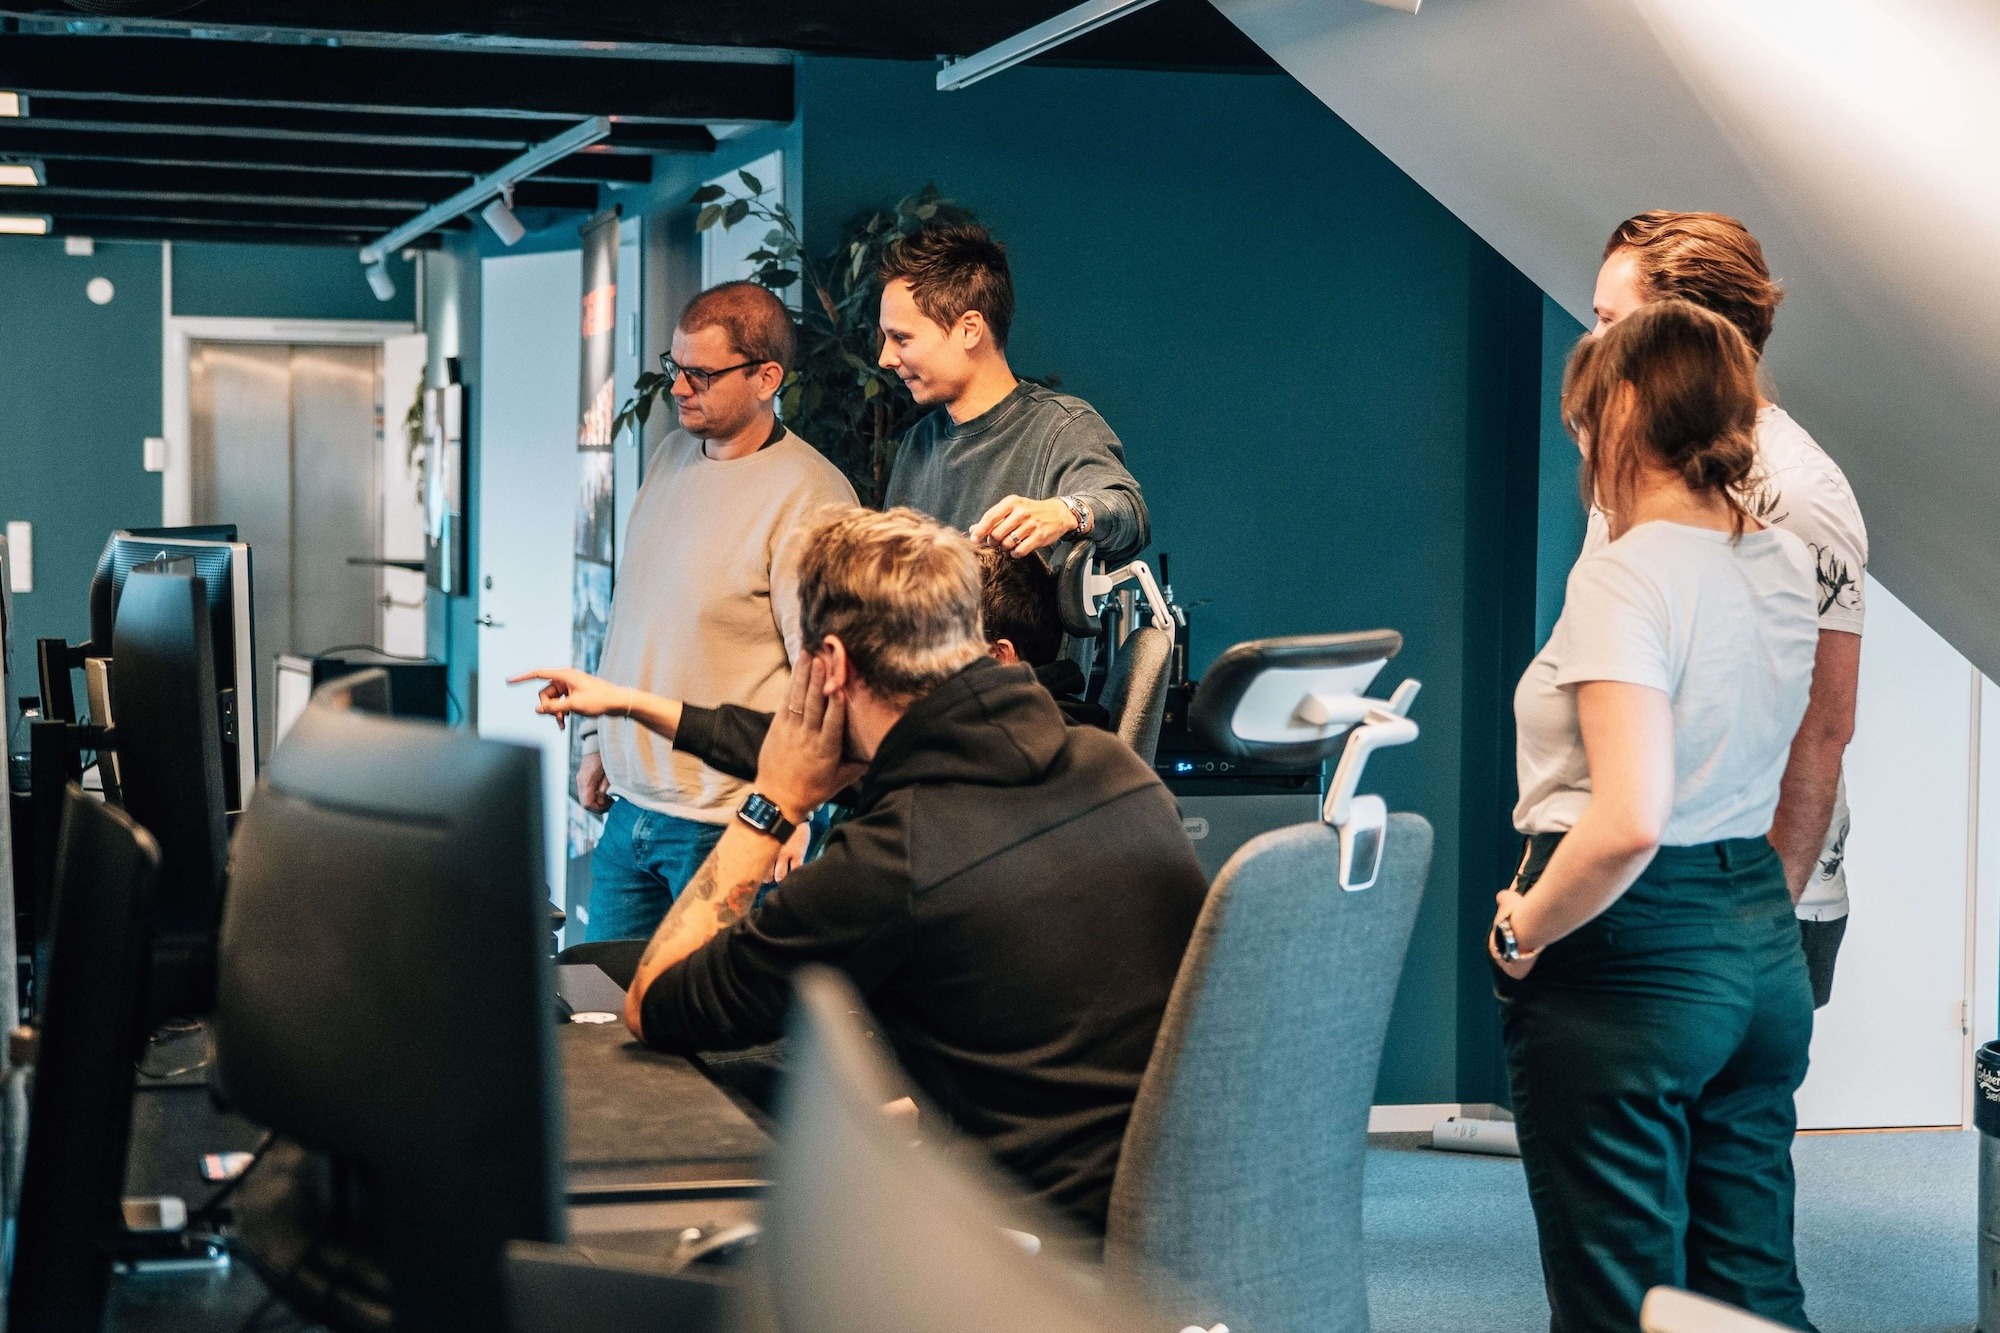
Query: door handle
[489, 622]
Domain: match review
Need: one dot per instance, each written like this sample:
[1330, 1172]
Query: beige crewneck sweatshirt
[705, 609]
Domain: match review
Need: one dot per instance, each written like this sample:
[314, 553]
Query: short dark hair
[953, 268]
[1710, 259]
[1017, 600]
[756, 322]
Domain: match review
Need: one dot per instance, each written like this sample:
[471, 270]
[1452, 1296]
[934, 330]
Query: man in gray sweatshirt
[1012, 463]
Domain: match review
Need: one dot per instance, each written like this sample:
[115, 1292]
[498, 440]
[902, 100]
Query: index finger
[814, 703]
[539, 673]
[795, 689]
[987, 520]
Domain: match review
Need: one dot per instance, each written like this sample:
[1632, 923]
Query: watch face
[761, 812]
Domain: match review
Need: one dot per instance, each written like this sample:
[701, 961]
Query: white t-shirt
[1804, 492]
[1726, 628]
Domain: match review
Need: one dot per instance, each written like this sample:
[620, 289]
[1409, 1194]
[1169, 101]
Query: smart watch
[1504, 942]
[760, 812]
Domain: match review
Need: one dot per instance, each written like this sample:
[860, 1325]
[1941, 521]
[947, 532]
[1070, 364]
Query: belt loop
[1722, 856]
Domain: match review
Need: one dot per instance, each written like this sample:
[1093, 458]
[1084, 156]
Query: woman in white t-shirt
[1655, 1002]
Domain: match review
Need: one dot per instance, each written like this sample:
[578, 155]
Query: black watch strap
[760, 812]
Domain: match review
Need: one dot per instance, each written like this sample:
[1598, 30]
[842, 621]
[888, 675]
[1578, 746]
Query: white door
[1891, 1050]
[528, 475]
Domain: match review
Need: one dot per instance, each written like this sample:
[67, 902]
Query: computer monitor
[224, 570]
[80, 1116]
[170, 767]
[384, 999]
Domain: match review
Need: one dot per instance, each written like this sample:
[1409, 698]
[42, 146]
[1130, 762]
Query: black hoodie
[1013, 896]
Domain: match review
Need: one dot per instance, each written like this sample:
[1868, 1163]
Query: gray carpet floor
[1886, 1234]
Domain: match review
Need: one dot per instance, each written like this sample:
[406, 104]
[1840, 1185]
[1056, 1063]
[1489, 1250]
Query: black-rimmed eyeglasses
[699, 380]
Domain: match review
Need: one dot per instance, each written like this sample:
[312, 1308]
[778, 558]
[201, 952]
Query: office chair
[865, 1231]
[1135, 684]
[1240, 1179]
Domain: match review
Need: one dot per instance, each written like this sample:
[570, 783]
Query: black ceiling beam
[361, 217]
[1180, 34]
[510, 134]
[249, 233]
[31, 138]
[414, 193]
[373, 78]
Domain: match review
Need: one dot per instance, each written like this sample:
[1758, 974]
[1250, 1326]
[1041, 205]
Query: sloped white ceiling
[1859, 139]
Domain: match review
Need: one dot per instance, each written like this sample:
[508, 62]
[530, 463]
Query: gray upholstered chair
[1240, 1182]
[1135, 689]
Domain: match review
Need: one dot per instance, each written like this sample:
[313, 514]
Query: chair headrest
[1073, 600]
[1289, 700]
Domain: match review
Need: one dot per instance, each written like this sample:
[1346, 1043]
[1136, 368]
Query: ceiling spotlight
[13, 104]
[499, 215]
[380, 282]
[1407, 6]
[16, 224]
[21, 173]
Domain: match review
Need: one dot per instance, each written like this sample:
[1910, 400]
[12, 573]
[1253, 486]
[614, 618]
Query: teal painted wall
[1562, 513]
[1282, 327]
[284, 282]
[79, 393]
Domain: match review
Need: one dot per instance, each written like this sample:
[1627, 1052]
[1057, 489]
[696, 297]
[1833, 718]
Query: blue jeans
[642, 862]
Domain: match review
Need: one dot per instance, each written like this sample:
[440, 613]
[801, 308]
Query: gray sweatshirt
[1034, 442]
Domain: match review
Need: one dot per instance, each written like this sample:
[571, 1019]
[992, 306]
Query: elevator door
[286, 445]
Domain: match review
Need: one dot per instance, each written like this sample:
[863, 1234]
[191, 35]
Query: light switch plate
[21, 556]
[156, 453]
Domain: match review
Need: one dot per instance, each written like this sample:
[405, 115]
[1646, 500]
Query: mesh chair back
[1240, 1179]
[1135, 689]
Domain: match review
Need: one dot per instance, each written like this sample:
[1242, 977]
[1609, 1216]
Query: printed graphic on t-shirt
[1833, 857]
[1838, 585]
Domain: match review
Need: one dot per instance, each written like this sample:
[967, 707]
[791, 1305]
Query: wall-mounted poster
[444, 484]
[596, 523]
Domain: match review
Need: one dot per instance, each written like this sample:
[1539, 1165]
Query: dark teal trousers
[1653, 1056]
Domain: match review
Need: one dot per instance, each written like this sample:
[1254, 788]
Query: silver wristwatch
[1079, 508]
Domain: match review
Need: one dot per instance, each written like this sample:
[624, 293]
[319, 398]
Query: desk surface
[651, 1146]
[636, 1120]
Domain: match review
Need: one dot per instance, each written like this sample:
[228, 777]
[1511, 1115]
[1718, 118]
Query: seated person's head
[741, 329]
[889, 606]
[1018, 600]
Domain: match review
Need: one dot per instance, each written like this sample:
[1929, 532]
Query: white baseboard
[1418, 1117]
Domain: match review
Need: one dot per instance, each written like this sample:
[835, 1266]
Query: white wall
[1855, 137]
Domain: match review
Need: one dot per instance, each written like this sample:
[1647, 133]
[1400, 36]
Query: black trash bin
[1986, 1116]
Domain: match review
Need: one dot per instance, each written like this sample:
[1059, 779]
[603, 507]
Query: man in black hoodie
[1012, 895]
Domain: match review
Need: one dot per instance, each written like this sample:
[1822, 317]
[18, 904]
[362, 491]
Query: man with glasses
[706, 607]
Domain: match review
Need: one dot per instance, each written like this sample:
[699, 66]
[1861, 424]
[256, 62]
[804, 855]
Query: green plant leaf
[737, 210]
[778, 279]
[754, 186]
[708, 217]
[707, 194]
[927, 211]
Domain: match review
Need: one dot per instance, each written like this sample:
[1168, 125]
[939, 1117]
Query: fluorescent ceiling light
[1038, 40]
[21, 173]
[13, 104]
[16, 224]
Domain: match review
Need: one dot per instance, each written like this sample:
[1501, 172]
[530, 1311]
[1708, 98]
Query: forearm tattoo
[708, 906]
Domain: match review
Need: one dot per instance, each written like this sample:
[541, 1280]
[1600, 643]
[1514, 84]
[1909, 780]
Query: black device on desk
[416, 688]
[1226, 800]
[383, 1002]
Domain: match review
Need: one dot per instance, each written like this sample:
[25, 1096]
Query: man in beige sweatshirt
[705, 608]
